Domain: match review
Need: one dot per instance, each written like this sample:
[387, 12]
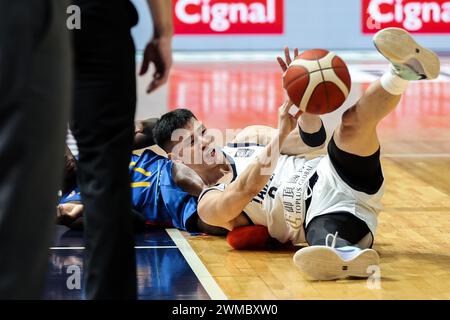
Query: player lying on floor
[152, 203]
[164, 192]
[147, 198]
[330, 202]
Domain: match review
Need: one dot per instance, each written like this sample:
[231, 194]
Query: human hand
[286, 122]
[284, 64]
[159, 52]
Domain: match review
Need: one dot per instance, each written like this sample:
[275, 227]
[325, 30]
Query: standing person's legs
[34, 103]
[102, 123]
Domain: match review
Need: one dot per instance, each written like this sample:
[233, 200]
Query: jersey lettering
[272, 192]
[244, 153]
[262, 194]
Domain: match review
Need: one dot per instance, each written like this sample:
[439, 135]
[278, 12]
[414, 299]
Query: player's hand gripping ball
[317, 81]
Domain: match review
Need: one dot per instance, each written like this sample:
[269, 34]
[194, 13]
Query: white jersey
[281, 203]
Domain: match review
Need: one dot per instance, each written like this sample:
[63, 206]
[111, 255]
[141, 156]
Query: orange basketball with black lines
[317, 82]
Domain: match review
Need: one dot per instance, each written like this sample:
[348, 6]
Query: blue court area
[162, 271]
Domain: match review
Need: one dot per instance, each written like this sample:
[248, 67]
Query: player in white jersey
[330, 202]
[280, 205]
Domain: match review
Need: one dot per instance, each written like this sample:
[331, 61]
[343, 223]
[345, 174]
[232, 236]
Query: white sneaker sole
[399, 47]
[323, 263]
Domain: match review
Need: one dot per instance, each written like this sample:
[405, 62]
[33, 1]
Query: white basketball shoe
[409, 60]
[330, 263]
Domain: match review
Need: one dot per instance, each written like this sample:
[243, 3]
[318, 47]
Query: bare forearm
[308, 136]
[309, 123]
[255, 177]
[161, 11]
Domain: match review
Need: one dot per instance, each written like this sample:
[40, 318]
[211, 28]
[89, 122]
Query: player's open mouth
[213, 153]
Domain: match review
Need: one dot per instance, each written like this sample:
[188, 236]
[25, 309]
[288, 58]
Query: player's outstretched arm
[310, 134]
[220, 208]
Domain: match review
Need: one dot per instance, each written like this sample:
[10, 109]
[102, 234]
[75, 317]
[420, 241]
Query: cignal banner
[432, 16]
[224, 17]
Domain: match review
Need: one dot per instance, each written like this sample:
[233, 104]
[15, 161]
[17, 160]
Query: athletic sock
[348, 252]
[393, 84]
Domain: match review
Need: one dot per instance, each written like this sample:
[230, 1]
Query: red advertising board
[416, 16]
[194, 17]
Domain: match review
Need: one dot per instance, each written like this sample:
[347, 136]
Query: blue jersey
[154, 192]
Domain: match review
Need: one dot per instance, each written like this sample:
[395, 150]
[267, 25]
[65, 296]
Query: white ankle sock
[393, 84]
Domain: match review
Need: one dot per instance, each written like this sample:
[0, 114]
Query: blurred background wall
[334, 24]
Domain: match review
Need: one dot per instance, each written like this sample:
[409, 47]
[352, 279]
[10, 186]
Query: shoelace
[333, 242]
[309, 192]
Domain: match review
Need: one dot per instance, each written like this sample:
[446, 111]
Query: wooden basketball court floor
[413, 237]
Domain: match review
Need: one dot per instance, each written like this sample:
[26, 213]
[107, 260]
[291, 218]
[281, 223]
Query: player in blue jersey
[164, 192]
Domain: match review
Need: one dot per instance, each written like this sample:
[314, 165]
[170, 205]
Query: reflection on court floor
[162, 271]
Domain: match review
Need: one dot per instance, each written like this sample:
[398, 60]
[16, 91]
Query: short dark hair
[168, 123]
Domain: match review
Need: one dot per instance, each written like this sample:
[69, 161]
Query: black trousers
[34, 105]
[102, 123]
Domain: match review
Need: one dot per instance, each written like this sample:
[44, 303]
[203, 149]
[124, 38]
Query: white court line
[155, 247]
[416, 155]
[136, 247]
[203, 275]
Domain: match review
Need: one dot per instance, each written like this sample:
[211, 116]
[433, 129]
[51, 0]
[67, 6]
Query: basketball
[317, 81]
[248, 237]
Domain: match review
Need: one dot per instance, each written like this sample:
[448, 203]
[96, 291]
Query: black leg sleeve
[314, 139]
[360, 173]
[350, 229]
